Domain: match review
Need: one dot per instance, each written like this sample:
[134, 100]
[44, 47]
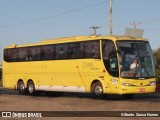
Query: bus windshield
[135, 59]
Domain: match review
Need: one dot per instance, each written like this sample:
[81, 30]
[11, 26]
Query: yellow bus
[93, 64]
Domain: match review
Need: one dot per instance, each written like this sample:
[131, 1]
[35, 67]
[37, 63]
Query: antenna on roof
[135, 24]
[94, 30]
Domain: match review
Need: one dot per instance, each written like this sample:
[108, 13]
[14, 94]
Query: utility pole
[94, 29]
[135, 24]
[110, 23]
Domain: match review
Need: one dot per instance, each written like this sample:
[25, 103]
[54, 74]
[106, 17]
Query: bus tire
[21, 88]
[97, 90]
[31, 88]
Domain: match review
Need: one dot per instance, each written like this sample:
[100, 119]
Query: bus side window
[86, 50]
[54, 52]
[77, 51]
[71, 51]
[74, 51]
[35, 53]
[89, 53]
[92, 49]
[14, 55]
[58, 51]
[7, 55]
[81, 52]
[95, 51]
[23, 54]
[61, 51]
[47, 52]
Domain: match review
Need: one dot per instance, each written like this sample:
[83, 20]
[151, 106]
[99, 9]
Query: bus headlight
[152, 83]
[127, 84]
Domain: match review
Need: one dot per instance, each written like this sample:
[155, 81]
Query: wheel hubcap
[98, 90]
[22, 87]
[31, 88]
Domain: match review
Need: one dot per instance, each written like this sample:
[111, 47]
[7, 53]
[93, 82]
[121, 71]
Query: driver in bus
[135, 66]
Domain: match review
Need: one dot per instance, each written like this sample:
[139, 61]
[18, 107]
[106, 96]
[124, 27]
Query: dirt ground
[11, 101]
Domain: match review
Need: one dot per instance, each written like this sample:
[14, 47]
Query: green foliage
[156, 54]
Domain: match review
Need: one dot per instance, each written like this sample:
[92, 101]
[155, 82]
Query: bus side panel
[10, 80]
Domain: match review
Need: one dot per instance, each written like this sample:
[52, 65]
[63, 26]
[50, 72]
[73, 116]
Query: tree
[156, 54]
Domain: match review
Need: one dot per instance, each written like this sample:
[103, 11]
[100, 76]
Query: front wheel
[97, 90]
[31, 88]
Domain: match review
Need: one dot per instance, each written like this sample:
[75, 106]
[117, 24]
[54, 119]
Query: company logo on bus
[141, 84]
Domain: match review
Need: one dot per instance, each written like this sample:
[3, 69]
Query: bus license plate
[141, 89]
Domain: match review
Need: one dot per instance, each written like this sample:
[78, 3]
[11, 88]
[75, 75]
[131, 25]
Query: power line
[52, 16]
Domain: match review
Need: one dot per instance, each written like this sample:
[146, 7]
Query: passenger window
[23, 54]
[5, 55]
[35, 53]
[74, 51]
[92, 49]
[87, 50]
[47, 52]
[61, 51]
[11, 55]
[95, 50]
[82, 50]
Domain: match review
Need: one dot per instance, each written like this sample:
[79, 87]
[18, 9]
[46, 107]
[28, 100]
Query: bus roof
[77, 38]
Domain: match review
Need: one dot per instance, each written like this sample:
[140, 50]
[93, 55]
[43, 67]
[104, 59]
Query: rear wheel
[21, 88]
[31, 88]
[97, 90]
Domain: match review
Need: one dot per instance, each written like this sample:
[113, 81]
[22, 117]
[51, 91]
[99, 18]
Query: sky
[30, 21]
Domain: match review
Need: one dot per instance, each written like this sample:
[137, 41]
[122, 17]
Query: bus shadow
[7, 91]
[109, 97]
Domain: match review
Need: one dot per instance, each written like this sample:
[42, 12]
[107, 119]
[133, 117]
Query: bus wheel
[31, 88]
[97, 90]
[21, 88]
